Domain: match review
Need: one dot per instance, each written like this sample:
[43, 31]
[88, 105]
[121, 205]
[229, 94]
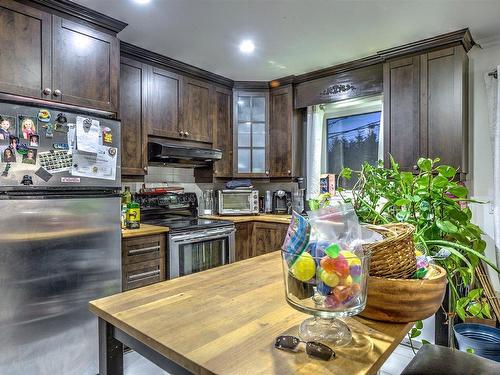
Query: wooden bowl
[405, 300]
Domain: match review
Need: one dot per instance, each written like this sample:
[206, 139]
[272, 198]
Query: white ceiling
[291, 36]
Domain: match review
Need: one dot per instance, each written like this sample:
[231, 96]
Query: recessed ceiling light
[142, 2]
[247, 46]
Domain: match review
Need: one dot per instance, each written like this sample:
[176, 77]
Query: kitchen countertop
[225, 321]
[144, 230]
[267, 218]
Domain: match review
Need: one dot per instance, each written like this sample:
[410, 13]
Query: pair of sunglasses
[313, 348]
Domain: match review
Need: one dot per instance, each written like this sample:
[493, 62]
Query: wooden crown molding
[130, 50]
[251, 85]
[340, 68]
[462, 37]
[84, 13]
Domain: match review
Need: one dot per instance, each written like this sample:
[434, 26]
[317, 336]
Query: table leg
[110, 351]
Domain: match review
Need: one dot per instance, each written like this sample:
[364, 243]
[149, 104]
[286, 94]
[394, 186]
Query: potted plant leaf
[437, 205]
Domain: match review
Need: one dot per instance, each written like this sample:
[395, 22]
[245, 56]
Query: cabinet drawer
[141, 274]
[143, 249]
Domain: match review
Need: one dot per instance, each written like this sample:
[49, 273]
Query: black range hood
[165, 153]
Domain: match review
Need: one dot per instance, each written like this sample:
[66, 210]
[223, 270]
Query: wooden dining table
[225, 321]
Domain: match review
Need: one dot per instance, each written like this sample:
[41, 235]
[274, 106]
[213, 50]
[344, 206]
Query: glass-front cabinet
[251, 133]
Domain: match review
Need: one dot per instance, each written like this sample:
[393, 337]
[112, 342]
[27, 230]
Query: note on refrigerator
[100, 165]
[71, 137]
[87, 134]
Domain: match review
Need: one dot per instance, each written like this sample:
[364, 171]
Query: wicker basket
[394, 256]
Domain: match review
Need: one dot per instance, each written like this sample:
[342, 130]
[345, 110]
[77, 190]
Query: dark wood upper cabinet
[133, 85]
[426, 108]
[251, 133]
[163, 103]
[444, 114]
[25, 57]
[222, 136]
[48, 57]
[280, 131]
[401, 111]
[197, 114]
[85, 66]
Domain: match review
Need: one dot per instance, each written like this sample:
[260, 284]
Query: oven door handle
[188, 238]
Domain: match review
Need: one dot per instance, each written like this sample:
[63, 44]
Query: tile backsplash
[184, 177]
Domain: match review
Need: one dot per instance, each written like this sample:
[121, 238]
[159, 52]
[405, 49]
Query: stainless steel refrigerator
[60, 238]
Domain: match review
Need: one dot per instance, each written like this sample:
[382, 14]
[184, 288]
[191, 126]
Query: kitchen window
[352, 135]
[352, 140]
[342, 134]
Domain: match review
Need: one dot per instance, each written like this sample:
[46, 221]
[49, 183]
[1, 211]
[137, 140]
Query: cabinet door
[163, 103]
[401, 111]
[267, 237]
[25, 57]
[223, 136]
[280, 132]
[197, 111]
[251, 134]
[444, 106]
[86, 65]
[132, 109]
[243, 241]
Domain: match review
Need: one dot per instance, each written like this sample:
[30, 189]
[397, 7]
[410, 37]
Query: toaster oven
[238, 202]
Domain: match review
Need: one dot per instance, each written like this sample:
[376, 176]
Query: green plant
[437, 206]
[472, 305]
[322, 201]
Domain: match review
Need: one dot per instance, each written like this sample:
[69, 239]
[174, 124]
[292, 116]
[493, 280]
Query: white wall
[482, 61]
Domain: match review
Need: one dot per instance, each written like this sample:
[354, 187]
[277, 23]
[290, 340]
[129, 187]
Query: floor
[137, 365]
[134, 364]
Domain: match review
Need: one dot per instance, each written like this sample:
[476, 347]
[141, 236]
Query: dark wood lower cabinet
[243, 241]
[143, 261]
[258, 238]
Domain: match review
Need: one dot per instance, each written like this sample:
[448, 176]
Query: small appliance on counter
[208, 202]
[238, 202]
[268, 203]
[299, 196]
[282, 202]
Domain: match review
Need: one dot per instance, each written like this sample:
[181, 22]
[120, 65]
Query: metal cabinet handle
[144, 249]
[144, 275]
[186, 134]
[57, 92]
[181, 133]
[47, 91]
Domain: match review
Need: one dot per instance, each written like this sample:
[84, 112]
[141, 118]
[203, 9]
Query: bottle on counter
[133, 215]
[124, 216]
[126, 196]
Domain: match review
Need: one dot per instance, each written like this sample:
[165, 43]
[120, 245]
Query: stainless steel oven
[238, 202]
[199, 250]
